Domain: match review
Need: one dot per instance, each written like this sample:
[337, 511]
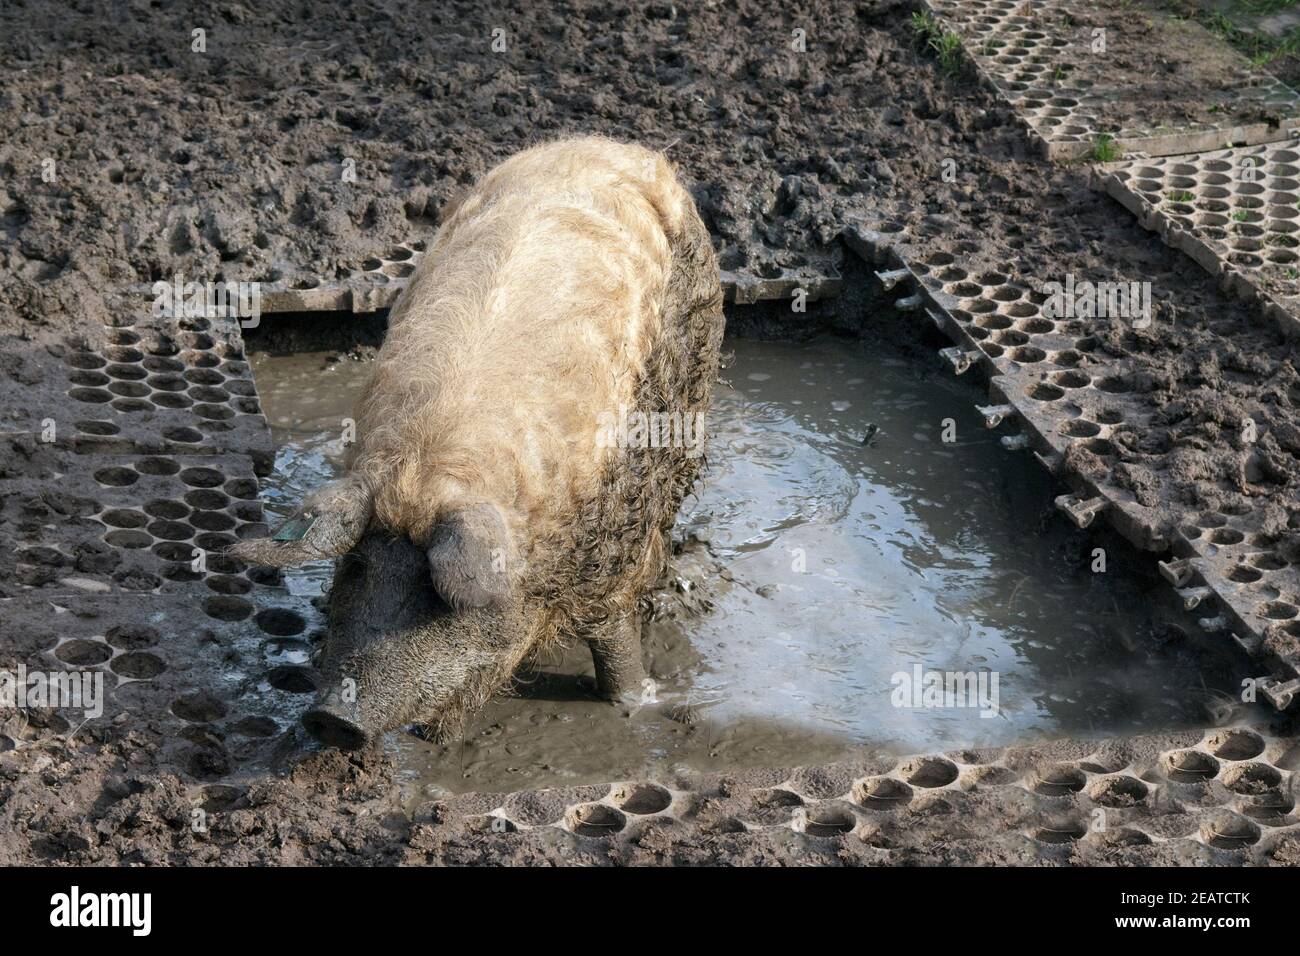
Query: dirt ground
[228, 164]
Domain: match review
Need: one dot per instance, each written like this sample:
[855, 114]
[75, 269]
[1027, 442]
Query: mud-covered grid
[382, 277]
[1066, 400]
[1198, 796]
[1221, 796]
[1043, 58]
[179, 388]
[1235, 211]
[141, 445]
[146, 473]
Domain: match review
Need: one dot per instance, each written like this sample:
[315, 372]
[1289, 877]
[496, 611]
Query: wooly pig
[491, 508]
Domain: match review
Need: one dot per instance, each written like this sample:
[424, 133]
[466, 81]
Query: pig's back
[531, 316]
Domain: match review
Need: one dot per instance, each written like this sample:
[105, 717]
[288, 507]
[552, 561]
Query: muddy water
[815, 568]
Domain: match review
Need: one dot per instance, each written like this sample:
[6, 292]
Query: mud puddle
[814, 570]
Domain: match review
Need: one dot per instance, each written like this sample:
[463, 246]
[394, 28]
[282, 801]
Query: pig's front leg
[616, 651]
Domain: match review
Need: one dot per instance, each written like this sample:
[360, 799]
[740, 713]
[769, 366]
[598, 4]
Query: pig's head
[419, 631]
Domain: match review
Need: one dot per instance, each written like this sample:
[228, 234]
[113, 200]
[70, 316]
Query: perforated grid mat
[1041, 59]
[1235, 211]
[381, 278]
[1203, 796]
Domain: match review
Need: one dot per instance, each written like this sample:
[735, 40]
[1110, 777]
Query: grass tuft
[1105, 149]
[929, 36]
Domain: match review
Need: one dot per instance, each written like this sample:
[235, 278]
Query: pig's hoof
[633, 698]
[627, 702]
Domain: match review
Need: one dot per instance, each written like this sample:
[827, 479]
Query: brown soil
[227, 164]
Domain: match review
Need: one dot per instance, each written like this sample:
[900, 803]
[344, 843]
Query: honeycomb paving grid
[170, 387]
[1030, 55]
[977, 20]
[1220, 796]
[99, 548]
[140, 655]
[1236, 212]
[370, 288]
[743, 289]
[135, 523]
[158, 440]
[381, 278]
[1068, 400]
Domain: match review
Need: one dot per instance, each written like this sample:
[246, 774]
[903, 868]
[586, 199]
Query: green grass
[1183, 195]
[1105, 149]
[929, 36]
[948, 49]
[1239, 216]
[924, 28]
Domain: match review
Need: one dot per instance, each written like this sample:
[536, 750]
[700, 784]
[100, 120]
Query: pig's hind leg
[616, 652]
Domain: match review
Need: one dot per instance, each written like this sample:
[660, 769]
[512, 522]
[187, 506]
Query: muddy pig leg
[616, 651]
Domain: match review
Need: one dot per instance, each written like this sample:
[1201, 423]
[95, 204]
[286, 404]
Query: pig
[488, 510]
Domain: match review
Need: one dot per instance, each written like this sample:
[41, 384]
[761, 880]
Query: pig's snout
[335, 723]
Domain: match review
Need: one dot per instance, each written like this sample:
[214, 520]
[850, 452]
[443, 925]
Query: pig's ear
[470, 555]
[329, 523]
